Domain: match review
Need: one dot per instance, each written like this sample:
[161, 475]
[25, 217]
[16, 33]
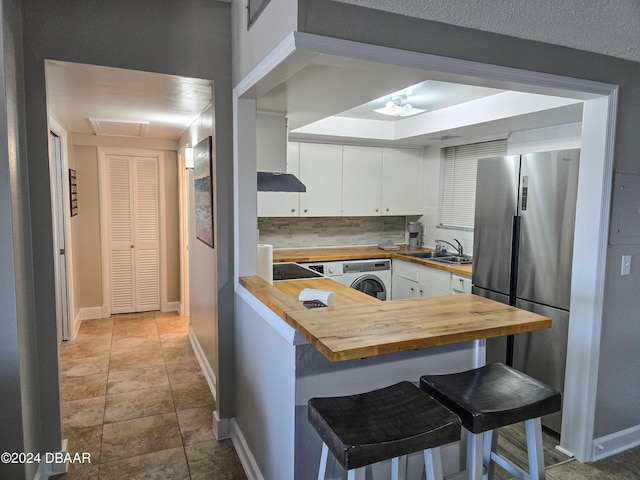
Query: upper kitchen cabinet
[321, 172]
[361, 181]
[400, 181]
[282, 204]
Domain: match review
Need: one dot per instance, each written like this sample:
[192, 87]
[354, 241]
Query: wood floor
[512, 444]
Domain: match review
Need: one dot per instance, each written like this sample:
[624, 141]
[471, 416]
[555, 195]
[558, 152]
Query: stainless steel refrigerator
[523, 251]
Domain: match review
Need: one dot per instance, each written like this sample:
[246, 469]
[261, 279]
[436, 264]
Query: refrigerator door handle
[524, 196]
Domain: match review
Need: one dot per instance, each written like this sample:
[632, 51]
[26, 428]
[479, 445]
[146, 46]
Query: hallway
[134, 398]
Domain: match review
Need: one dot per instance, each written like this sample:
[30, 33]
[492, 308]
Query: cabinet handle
[305, 210]
[377, 210]
[293, 210]
[387, 209]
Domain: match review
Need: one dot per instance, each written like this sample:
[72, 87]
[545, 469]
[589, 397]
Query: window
[254, 9]
[459, 191]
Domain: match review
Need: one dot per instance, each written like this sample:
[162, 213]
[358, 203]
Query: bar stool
[383, 424]
[491, 397]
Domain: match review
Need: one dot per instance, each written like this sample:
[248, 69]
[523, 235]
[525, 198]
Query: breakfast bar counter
[361, 326]
[287, 354]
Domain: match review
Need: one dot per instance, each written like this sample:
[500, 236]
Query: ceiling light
[399, 107]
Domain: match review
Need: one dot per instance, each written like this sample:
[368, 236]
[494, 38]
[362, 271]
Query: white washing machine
[372, 277]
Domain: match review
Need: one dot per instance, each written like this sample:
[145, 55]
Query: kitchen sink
[454, 260]
[445, 258]
[426, 254]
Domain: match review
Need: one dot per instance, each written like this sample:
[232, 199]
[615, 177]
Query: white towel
[324, 296]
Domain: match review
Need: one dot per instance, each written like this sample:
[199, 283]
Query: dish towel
[324, 296]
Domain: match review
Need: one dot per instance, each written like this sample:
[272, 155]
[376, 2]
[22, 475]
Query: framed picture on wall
[203, 190]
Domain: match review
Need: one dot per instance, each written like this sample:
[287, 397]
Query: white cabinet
[403, 288]
[361, 180]
[415, 280]
[344, 181]
[321, 172]
[460, 284]
[433, 281]
[282, 204]
[400, 181]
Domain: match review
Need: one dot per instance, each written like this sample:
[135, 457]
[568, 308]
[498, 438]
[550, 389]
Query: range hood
[279, 182]
[271, 154]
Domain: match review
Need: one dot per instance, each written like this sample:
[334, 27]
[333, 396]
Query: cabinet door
[400, 181]
[404, 269]
[403, 288]
[361, 181]
[433, 281]
[282, 204]
[460, 284]
[321, 172]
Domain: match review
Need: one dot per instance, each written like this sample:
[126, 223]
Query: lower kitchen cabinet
[433, 281]
[413, 280]
[403, 288]
[460, 284]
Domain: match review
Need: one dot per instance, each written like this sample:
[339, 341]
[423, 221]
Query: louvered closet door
[133, 234]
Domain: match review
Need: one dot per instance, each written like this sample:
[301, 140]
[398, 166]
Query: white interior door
[134, 241]
[61, 240]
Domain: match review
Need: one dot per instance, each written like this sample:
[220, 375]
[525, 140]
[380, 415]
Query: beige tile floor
[135, 398]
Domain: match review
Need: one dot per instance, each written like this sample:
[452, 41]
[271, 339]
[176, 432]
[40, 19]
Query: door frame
[60, 206]
[104, 222]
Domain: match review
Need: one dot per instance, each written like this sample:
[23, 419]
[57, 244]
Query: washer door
[371, 285]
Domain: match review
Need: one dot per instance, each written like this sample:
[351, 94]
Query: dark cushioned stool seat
[492, 396]
[390, 422]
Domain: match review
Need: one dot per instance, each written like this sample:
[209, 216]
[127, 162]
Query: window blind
[459, 190]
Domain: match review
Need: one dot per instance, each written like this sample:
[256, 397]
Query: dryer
[372, 277]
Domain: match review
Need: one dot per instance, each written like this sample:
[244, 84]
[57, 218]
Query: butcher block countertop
[330, 254]
[360, 326]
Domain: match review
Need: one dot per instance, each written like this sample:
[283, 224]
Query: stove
[292, 271]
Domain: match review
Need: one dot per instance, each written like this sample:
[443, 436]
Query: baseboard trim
[171, 307]
[208, 372]
[89, 313]
[50, 466]
[244, 453]
[608, 445]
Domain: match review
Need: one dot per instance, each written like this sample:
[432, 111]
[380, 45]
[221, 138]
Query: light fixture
[399, 107]
[188, 157]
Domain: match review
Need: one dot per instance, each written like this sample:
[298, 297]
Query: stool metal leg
[535, 452]
[395, 468]
[357, 473]
[324, 457]
[474, 456]
[489, 446]
[433, 464]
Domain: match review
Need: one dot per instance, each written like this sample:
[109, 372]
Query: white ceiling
[123, 101]
[93, 99]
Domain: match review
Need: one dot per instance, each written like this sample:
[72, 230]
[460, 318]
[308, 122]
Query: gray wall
[25, 423]
[619, 384]
[182, 37]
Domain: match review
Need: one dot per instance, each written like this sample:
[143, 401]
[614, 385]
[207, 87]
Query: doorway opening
[326, 56]
[97, 108]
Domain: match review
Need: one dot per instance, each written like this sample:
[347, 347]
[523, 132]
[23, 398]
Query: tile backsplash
[299, 232]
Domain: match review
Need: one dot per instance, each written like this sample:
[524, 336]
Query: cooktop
[291, 271]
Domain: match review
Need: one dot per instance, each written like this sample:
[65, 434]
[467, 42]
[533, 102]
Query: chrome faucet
[458, 248]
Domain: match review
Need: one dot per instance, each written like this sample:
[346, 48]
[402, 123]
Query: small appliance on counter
[415, 235]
